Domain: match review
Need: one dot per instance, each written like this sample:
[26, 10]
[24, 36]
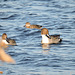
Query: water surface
[31, 57]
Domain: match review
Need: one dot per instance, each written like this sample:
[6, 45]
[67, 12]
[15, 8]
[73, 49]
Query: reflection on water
[46, 52]
[45, 46]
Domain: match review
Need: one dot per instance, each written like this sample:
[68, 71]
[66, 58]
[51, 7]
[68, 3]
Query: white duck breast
[45, 39]
[4, 41]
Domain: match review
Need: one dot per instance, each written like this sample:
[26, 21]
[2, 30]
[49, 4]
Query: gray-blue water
[58, 16]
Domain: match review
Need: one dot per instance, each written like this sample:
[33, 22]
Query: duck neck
[4, 41]
[27, 26]
[45, 39]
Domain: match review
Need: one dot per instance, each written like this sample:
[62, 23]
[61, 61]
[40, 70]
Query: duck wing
[38, 26]
[10, 40]
[56, 36]
[48, 36]
[7, 39]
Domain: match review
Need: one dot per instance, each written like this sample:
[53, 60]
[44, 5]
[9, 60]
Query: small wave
[33, 33]
[11, 17]
[28, 32]
[70, 12]
[1, 26]
[8, 0]
[64, 27]
[58, 6]
[42, 0]
[10, 71]
[32, 14]
[4, 6]
[56, 66]
[20, 29]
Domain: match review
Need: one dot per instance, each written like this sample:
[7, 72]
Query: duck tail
[60, 40]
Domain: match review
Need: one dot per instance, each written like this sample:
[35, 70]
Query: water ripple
[31, 57]
[10, 17]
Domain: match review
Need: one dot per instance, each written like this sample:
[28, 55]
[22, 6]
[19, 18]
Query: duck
[49, 39]
[28, 25]
[6, 41]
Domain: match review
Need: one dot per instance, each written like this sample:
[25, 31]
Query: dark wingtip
[24, 26]
[41, 26]
[7, 39]
[60, 40]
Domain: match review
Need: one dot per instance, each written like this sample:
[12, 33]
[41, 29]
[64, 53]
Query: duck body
[35, 26]
[4, 41]
[28, 25]
[11, 41]
[49, 39]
